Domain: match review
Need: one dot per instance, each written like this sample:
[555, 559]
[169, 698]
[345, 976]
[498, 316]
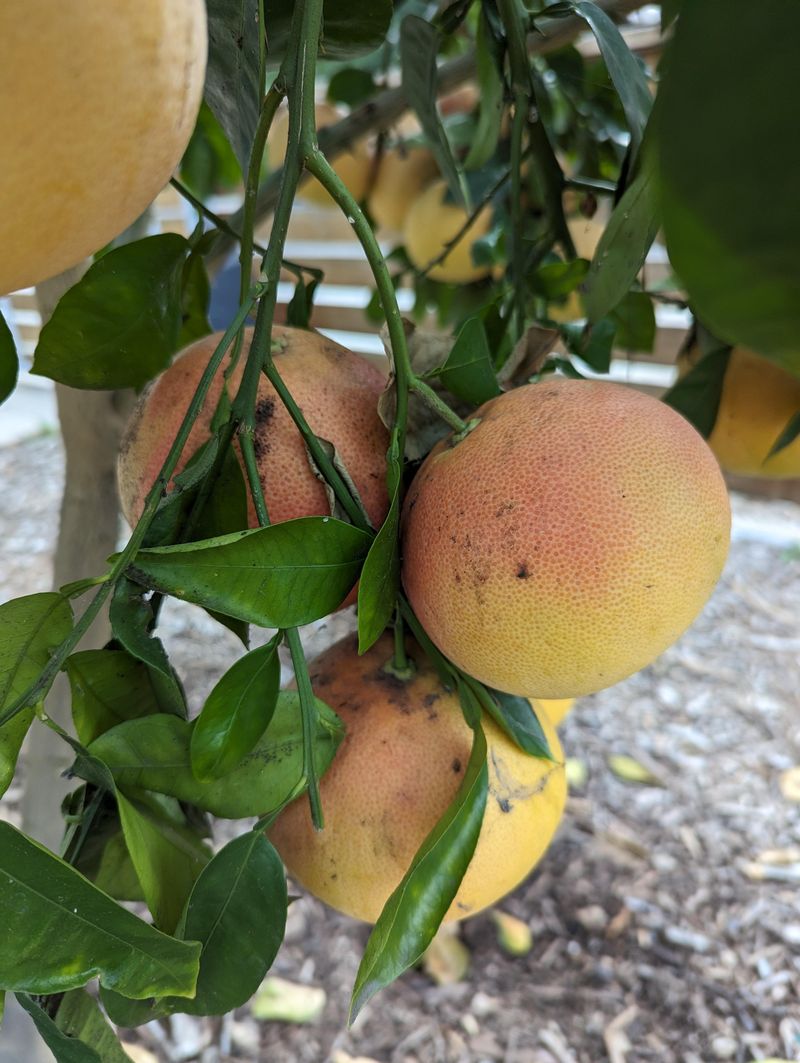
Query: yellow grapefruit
[431, 223]
[403, 757]
[567, 540]
[98, 100]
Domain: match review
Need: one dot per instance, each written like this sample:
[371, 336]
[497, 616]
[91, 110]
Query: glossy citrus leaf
[237, 911]
[31, 628]
[728, 153]
[9, 363]
[232, 90]
[349, 27]
[281, 576]
[121, 323]
[79, 1016]
[468, 372]
[65, 1047]
[414, 912]
[380, 579]
[697, 395]
[61, 931]
[109, 686]
[236, 713]
[153, 753]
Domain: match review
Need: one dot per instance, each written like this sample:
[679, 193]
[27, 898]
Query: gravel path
[666, 916]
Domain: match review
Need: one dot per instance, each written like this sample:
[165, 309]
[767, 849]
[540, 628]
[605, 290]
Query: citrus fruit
[431, 223]
[337, 391]
[567, 540]
[98, 100]
[758, 400]
[399, 766]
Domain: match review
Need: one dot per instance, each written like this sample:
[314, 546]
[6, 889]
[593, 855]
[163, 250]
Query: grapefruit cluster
[559, 544]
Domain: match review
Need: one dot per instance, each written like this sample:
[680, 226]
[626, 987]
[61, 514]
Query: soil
[665, 918]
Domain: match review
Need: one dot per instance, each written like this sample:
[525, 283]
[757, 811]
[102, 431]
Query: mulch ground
[665, 918]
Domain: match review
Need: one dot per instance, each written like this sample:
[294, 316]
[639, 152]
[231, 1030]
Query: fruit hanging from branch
[98, 100]
[570, 538]
[400, 764]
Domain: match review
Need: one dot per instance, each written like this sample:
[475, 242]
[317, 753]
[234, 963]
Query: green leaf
[351, 86]
[557, 279]
[237, 910]
[232, 85]
[349, 28]
[380, 579]
[108, 687]
[79, 1016]
[487, 133]
[237, 712]
[698, 394]
[167, 860]
[624, 69]
[153, 753]
[419, 43]
[31, 629]
[65, 1047]
[623, 246]
[282, 576]
[131, 621]
[592, 343]
[787, 436]
[468, 372]
[298, 312]
[413, 913]
[61, 931]
[636, 322]
[121, 323]
[515, 715]
[9, 363]
[208, 164]
[195, 300]
[728, 153]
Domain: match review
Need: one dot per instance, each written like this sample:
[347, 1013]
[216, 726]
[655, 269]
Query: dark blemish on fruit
[265, 411]
[505, 508]
[430, 699]
[456, 765]
[522, 571]
[503, 804]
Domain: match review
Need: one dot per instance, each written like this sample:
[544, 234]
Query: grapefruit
[353, 166]
[98, 100]
[567, 540]
[337, 391]
[555, 709]
[403, 757]
[758, 400]
[431, 223]
[402, 174]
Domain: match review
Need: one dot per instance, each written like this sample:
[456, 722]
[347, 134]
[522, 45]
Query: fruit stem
[401, 666]
[438, 405]
[154, 496]
[319, 166]
[298, 70]
[517, 234]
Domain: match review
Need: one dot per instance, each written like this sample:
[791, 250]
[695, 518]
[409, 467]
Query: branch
[391, 104]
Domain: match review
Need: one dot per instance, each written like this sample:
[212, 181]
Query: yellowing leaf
[446, 959]
[277, 1000]
[514, 935]
[625, 767]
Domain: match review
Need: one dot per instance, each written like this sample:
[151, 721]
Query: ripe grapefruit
[555, 709]
[403, 172]
[98, 100]
[431, 223]
[567, 540]
[758, 400]
[353, 166]
[400, 764]
[336, 390]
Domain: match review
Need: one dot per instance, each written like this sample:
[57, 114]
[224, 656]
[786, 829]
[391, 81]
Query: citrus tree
[513, 533]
